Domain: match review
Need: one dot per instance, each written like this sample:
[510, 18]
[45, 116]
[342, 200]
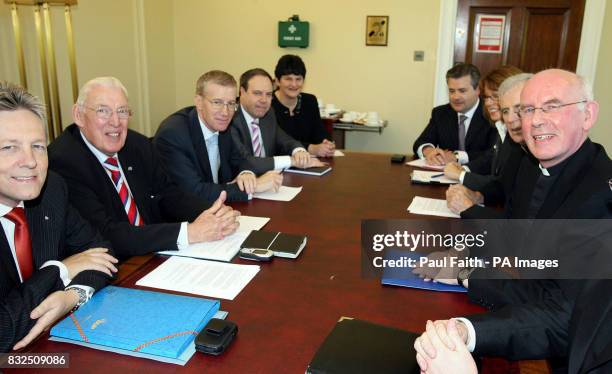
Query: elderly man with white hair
[116, 182]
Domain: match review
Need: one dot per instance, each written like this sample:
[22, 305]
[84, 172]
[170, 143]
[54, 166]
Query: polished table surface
[290, 306]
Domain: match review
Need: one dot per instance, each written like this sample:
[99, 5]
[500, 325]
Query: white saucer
[346, 120]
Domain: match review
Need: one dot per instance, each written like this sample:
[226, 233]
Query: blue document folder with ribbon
[147, 324]
[404, 277]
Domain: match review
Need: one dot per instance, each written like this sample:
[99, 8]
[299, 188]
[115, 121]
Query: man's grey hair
[13, 97]
[511, 82]
[586, 88]
[100, 81]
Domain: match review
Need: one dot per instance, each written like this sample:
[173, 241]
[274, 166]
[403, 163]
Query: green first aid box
[293, 34]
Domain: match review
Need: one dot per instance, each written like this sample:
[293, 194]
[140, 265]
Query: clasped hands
[438, 156]
[324, 149]
[442, 349]
[302, 159]
[269, 181]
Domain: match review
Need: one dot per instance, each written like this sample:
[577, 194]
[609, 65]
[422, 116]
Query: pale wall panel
[236, 35]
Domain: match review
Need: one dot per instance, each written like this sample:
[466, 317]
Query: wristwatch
[464, 273]
[82, 297]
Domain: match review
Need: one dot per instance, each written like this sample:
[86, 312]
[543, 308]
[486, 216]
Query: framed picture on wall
[377, 30]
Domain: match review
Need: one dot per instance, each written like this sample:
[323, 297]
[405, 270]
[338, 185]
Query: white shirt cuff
[461, 176]
[420, 149]
[471, 340]
[282, 162]
[63, 271]
[246, 171]
[182, 241]
[462, 157]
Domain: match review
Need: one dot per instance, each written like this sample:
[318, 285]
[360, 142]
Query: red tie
[129, 204]
[23, 244]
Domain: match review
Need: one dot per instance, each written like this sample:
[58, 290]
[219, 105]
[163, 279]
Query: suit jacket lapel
[7, 264]
[225, 153]
[475, 128]
[266, 126]
[243, 128]
[199, 144]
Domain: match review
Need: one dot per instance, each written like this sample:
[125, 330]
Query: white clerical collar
[544, 170]
[101, 156]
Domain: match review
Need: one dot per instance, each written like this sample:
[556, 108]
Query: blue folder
[140, 323]
[404, 277]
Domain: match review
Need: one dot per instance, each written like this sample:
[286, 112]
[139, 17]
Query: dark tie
[23, 243]
[462, 119]
[129, 204]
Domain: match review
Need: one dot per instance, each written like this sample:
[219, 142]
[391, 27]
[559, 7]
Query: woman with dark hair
[298, 112]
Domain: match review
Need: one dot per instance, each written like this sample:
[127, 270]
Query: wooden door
[536, 35]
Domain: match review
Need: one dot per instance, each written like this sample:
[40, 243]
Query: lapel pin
[610, 183]
[129, 168]
[46, 218]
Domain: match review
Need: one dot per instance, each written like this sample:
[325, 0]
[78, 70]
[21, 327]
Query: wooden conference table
[291, 305]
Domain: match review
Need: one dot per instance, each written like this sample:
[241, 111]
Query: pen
[437, 175]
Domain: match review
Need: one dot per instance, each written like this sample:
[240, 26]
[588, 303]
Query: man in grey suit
[255, 129]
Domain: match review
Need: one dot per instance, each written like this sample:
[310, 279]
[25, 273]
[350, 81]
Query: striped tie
[112, 166]
[256, 139]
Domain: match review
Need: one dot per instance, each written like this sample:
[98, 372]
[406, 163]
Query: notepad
[431, 177]
[153, 325]
[284, 194]
[421, 163]
[317, 171]
[283, 245]
[356, 346]
[431, 207]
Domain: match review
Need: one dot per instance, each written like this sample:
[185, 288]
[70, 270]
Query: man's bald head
[557, 111]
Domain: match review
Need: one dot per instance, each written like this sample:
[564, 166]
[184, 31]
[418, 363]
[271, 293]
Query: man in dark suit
[46, 268]
[198, 153]
[117, 183]
[457, 131]
[492, 189]
[256, 132]
[572, 180]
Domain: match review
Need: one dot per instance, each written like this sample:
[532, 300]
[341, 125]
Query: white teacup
[349, 116]
[372, 118]
[330, 107]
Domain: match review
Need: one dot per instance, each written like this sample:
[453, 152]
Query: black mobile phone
[397, 159]
[216, 336]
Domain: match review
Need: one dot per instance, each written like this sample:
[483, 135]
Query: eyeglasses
[507, 111]
[104, 112]
[220, 104]
[529, 111]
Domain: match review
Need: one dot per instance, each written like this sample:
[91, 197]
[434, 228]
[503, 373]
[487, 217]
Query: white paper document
[200, 277]
[434, 177]
[284, 194]
[249, 223]
[421, 163]
[431, 207]
[338, 153]
[224, 249]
